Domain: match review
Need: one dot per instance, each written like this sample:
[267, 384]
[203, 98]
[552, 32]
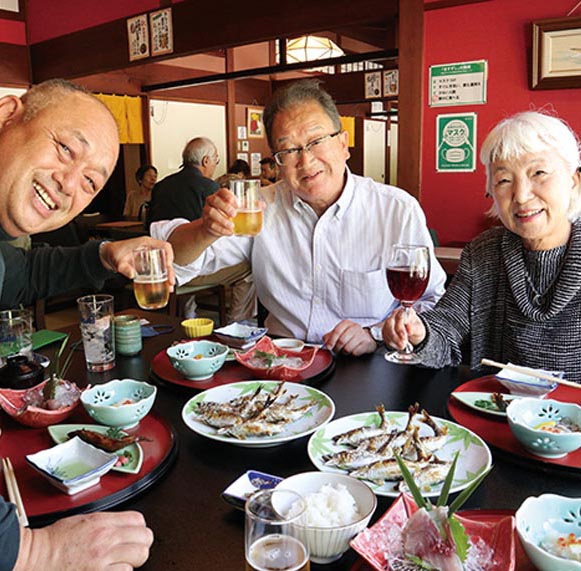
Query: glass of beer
[151, 283]
[248, 219]
[270, 539]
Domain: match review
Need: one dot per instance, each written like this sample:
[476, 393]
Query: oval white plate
[474, 453]
[134, 452]
[470, 398]
[315, 418]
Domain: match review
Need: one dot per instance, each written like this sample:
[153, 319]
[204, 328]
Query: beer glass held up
[270, 539]
[248, 219]
[151, 283]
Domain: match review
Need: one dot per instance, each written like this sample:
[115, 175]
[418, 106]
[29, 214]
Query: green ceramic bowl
[119, 403]
[197, 360]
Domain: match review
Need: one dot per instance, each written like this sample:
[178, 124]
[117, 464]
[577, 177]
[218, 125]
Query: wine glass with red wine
[408, 273]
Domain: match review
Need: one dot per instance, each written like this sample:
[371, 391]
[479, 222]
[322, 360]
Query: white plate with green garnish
[130, 457]
[474, 457]
[219, 413]
[487, 403]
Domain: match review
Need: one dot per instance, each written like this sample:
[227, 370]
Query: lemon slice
[545, 425]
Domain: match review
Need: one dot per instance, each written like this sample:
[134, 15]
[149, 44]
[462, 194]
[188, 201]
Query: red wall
[498, 31]
[13, 32]
[48, 19]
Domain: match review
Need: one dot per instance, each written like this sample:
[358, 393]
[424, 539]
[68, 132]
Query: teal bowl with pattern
[544, 525]
[197, 360]
[119, 403]
[536, 424]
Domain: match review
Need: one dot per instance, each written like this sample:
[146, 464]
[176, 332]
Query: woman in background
[146, 177]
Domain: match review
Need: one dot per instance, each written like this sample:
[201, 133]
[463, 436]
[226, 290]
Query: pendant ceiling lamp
[311, 48]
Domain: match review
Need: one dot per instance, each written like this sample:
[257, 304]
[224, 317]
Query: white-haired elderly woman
[517, 293]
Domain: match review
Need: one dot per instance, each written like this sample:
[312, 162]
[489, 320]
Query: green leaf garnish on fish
[421, 502]
[444, 493]
[457, 532]
[460, 537]
[268, 358]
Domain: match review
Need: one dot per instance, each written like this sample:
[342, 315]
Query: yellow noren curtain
[127, 113]
[348, 124]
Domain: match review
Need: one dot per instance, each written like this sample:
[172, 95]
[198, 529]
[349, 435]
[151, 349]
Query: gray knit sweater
[488, 309]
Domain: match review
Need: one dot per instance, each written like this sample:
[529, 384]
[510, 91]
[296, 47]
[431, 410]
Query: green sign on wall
[456, 142]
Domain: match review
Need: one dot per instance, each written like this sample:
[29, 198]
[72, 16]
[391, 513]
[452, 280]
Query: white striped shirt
[312, 272]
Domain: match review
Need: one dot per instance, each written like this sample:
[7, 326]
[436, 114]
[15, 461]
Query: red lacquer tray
[494, 429]
[522, 561]
[44, 503]
[232, 372]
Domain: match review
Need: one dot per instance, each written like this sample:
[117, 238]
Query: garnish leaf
[445, 492]
[467, 492]
[268, 358]
[460, 537]
[409, 480]
[419, 562]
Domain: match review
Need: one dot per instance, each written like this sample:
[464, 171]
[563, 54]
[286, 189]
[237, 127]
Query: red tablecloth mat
[234, 372]
[42, 500]
[494, 429]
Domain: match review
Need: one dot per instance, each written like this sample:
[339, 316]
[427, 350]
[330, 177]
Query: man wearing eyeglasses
[319, 262]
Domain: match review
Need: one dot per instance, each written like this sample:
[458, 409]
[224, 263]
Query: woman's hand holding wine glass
[408, 274]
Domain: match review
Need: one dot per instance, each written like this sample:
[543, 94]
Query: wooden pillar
[231, 137]
[411, 95]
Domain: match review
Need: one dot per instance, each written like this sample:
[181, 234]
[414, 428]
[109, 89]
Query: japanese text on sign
[458, 83]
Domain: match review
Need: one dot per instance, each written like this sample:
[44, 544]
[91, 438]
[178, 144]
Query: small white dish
[525, 385]
[72, 466]
[289, 344]
[240, 335]
[243, 487]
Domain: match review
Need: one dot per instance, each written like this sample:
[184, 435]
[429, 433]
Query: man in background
[58, 146]
[268, 171]
[182, 195]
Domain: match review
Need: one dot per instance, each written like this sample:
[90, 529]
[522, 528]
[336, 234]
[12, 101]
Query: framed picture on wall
[556, 53]
[138, 37]
[390, 83]
[372, 85]
[254, 123]
[161, 32]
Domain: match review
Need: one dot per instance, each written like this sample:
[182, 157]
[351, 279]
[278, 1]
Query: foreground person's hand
[349, 338]
[118, 256]
[401, 327]
[103, 541]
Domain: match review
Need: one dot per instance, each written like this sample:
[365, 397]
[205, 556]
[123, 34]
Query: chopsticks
[13, 491]
[530, 372]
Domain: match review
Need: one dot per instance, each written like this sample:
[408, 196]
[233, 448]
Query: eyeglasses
[289, 157]
[217, 159]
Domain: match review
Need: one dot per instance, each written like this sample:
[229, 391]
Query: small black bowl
[20, 373]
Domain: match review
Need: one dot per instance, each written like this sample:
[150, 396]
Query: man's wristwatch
[375, 332]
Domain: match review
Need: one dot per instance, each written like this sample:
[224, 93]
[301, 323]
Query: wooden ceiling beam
[104, 48]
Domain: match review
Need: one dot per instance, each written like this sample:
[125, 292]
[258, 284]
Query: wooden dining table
[196, 529]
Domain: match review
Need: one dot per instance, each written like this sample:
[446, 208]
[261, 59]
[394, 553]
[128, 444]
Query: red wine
[407, 284]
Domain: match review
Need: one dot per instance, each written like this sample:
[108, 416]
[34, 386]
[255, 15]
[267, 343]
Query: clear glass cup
[97, 331]
[151, 283]
[270, 539]
[248, 219]
[15, 333]
[408, 273]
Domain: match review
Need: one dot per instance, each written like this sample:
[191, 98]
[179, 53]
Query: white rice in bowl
[331, 506]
